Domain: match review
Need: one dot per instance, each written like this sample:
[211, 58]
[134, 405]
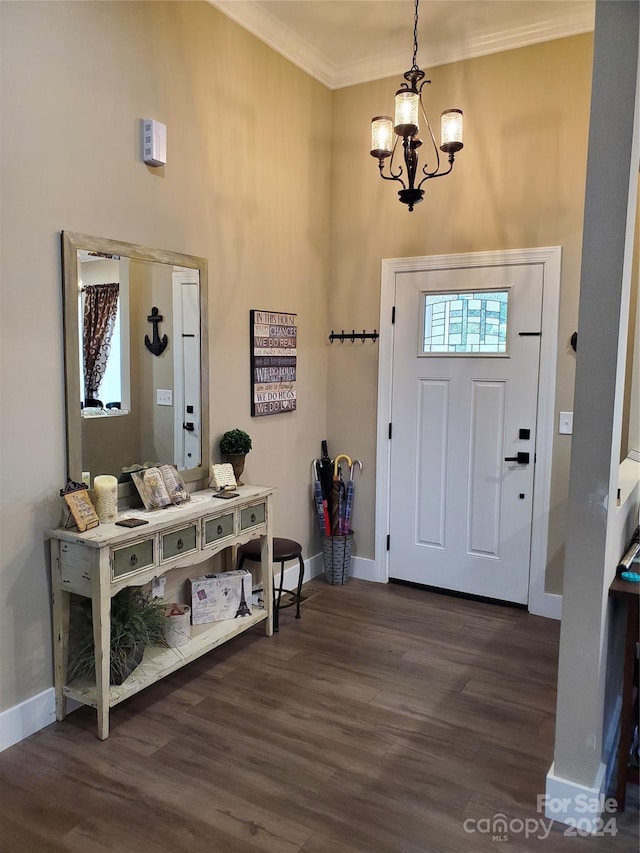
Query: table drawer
[133, 558]
[218, 528]
[252, 516]
[178, 542]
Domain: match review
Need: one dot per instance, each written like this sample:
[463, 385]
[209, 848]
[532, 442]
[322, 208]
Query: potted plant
[137, 621]
[234, 446]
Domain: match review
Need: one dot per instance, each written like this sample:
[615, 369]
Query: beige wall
[263, 201]
[518, 183]
[240, 188]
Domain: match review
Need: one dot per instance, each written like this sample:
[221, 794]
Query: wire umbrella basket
[333, 503]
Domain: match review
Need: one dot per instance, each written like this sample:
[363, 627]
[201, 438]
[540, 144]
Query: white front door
[464, 403]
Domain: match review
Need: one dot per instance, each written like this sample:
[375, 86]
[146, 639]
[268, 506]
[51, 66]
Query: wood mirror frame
[71, 244]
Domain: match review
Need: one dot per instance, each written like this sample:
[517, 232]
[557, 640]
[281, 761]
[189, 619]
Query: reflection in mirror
[135, 358]
[104, 333]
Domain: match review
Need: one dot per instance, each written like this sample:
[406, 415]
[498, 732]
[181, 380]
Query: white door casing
[186, 368]
[549, 258]
[460, 498]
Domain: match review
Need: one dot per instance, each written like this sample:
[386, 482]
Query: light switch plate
[565, 426]
[164, 398]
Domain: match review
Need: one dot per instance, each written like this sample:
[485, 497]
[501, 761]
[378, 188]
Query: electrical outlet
[164, 398]
[565, 426]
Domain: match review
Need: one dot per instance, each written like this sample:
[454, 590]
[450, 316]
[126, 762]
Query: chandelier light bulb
[451, 131]
[406, 121]
[381, 136]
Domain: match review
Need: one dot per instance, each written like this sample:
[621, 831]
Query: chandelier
[408, 105]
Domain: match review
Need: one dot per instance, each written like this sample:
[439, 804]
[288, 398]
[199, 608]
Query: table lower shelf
[159, 661]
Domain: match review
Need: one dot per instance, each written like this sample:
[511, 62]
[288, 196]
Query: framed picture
[274, 336]
[82, 510]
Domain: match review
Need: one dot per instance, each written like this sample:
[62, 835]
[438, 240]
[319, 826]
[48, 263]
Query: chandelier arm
[425, 171]
[394, 176]
[437, 174]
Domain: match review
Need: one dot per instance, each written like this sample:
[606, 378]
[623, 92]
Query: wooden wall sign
[273, 362]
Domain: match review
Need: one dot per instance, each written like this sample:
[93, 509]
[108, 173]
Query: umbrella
[338, 495]
[326, 476]
[322, 509]
[348, 503]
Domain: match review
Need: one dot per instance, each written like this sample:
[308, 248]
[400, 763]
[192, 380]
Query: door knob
[521, 458]
[188, 426]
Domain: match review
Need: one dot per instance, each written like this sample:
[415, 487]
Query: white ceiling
[343, 42]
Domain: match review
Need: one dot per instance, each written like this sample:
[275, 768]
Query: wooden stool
[284, 550]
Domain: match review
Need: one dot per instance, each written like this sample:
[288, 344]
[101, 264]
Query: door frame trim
[540, 602]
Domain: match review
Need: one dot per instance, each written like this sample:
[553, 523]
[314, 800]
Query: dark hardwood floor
[386, 720]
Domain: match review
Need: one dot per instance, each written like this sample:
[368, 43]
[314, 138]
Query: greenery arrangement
[235, 441]
[137, 621]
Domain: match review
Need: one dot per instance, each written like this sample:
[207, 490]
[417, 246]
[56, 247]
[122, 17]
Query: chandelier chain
[415, 37]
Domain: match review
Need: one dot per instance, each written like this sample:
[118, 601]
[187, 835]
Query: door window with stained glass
[465, 322]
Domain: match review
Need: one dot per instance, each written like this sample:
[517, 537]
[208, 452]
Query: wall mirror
[136, 360]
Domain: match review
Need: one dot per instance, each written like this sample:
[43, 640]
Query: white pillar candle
[106, 491]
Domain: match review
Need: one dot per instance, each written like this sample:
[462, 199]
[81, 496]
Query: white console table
[100, 562]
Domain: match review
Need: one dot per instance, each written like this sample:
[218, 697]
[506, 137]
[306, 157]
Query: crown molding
[252, 16]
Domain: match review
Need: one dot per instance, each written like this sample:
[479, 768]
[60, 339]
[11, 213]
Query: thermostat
[154, 142]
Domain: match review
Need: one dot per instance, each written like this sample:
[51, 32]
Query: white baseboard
[587, 804]
[27, 718]
[548, 604]
[361, 567]
[581, 807]
[30, 716]
[364, 568]
[312, 568]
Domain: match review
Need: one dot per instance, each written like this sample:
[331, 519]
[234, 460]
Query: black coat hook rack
[353, 336]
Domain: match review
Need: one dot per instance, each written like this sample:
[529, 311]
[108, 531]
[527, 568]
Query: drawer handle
[133, 560]
[219, 529]
[253, 516]
[180, 544]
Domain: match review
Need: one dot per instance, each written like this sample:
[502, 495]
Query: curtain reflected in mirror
[99, 312]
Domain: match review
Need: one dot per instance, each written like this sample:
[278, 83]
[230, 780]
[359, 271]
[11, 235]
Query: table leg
[101, 615]
[60, 615]
[266, 548]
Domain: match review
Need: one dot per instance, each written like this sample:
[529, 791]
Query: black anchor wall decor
[158, 345]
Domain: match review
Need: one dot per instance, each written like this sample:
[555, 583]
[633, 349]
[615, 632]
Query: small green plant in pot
[234, 446]
[137, 621]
